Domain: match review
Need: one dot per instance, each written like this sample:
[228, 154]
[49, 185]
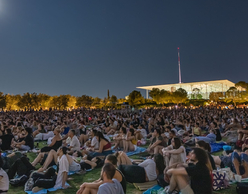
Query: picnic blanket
[145, 186]
[137, 151]
[215, 147]
[44, 191]
[156, 187]
[69, 173]
[148, 191]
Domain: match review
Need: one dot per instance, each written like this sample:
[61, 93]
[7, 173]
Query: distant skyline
[82, 47]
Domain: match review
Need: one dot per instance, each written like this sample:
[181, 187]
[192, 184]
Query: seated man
[87, 188]
[110, 185]
[74, 143]
[192, 179]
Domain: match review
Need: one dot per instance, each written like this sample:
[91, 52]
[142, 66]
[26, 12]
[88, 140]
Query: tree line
[158, 97]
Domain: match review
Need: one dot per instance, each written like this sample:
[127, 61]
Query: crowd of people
[178, 153]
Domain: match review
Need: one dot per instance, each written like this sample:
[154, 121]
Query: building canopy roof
[224, 82]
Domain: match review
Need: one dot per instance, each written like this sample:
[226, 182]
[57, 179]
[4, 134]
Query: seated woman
[39, 130]
[145, 171]
[6, 140]
[205, 146]
[210, 138]
[63, 164]
[28, 142]
[89, 188]
[119, 139]
[56, 141]
[129, 141]
[195, 178]
[175, 153]
[83, 133]
[196, 131]
[157, 143]
[104, 146]
[51, 159]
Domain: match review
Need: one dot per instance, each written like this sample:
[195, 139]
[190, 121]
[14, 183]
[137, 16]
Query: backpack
[242, 188]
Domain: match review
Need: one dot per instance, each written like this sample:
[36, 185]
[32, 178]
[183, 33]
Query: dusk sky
[89, 46]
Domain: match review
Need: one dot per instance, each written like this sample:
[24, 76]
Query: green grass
[93, 175]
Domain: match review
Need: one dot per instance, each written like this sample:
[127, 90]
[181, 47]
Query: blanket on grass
[138, 150]
[148, 191]
[145, 186]
[215, 147]
[44, 191]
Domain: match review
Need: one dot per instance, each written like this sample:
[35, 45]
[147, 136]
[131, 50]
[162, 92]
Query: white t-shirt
[4, 182]
[74, 166]
[94, 143]
[75, 143]
[63, 167]
[150, 167]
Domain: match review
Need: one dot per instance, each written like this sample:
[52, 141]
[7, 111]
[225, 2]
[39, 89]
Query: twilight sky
[89, 46]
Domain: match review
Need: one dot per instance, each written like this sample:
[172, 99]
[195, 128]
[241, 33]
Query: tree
[242, 84]
[113, 100]
[232, 94]
[214, 96]
[44, 100]
[26, 101]
[179, 96]
[165, 96]
[12, 101]
[155, 95]
[97, 102]
[2, 100]
[84, 101]
[195, 93]
[72, 100]
[135, 98]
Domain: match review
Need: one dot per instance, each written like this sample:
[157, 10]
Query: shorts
[187, 190]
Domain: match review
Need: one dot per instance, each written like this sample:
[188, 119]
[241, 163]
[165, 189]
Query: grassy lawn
[77, 180]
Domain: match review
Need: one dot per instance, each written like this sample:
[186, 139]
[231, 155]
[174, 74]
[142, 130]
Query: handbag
[220, 180]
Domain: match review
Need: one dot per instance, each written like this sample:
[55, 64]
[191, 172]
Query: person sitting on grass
[175, 153]
[88, 188]
[194, 179]
[104, 146]
[110, 185]
[63, 165]
[119, 139]
[145, 171]
[129, 141]
[28, 142]
[56, 141]
[157, 143]
[4, 179]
